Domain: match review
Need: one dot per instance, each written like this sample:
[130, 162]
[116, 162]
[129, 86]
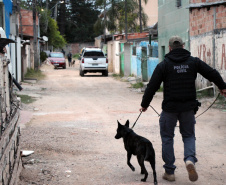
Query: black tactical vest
[179, 81]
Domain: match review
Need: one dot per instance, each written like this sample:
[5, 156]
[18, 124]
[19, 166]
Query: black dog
[73, 63]
[139, 146]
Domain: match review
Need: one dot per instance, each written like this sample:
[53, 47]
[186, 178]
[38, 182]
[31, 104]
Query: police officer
[178, 72]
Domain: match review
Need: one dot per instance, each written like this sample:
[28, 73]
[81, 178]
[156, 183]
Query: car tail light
[83, 60]
[106, 60]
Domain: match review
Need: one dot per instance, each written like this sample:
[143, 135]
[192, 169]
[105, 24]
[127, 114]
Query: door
[127, 59]
[144, 65]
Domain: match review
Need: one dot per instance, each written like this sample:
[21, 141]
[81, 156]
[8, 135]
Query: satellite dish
[45, 38]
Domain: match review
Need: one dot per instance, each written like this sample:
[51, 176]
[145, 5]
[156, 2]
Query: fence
[10, 156]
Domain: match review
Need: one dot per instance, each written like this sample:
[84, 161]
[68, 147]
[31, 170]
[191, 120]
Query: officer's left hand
[142, 109]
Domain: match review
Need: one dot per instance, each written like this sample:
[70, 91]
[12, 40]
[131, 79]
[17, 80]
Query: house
[10, 151]
[132, 56]
[208, 35]
[8, 18]
[27, 34]
[137, 56]
[173, 19]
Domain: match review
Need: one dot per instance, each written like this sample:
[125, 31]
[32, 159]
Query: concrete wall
[151, 9]
[172, 20]
[76, 47]
[127, 59]
[113, 57]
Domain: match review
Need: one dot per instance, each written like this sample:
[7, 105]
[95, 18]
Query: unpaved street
[71, 129]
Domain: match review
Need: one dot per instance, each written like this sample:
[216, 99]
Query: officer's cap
[175, 41]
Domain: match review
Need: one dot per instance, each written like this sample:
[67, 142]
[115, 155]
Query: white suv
[93, 60]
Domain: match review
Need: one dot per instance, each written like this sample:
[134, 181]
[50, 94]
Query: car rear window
[57, 55]
[93, 53]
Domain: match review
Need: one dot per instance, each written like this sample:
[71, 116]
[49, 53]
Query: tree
[52, 32]
[115, 15]
[80, 18]
[48, 26]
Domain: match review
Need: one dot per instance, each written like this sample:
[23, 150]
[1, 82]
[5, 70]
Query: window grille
[178, 3]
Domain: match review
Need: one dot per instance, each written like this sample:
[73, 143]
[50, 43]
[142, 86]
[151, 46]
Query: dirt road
[71, 129]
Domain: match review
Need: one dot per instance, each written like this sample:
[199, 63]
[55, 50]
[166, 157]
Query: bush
[32, 74]
[137, 85]
[76, 55]
[43, 56]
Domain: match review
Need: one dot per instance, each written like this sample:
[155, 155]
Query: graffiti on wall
[204, 53]
[223, 58]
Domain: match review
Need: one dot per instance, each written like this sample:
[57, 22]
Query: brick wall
[203, 1]
[202, 20]
[27, 22]
[132, 36]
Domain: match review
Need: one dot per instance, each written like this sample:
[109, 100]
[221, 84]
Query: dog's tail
[149, 152]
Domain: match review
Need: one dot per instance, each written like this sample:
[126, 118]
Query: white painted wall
[220, 56]
[202, 46]
[116, 58]
[18, 53]
[12, 64]
[113, 57]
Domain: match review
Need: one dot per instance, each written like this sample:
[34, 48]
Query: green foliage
[204, 94]
[49, 28]
[26, 99]
[34, 74]
[160, 89]
[79, 19]
[137, 85]
[26, 5]
[115, 16]
[76, 55]
[43, 56]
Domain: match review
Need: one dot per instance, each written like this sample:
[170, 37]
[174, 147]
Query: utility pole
[62, 18]
[126, 19]
[46, 13]
[140, 16]
[104, 21]
[35, 36]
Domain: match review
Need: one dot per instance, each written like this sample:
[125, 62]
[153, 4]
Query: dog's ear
[119, 124]
[127, 123]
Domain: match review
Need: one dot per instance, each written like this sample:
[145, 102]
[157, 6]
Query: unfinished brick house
[208, 34]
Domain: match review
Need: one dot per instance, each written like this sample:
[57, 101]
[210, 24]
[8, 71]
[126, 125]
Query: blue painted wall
[152, 60]
[134, 65]
[8, 11]
[139, 61]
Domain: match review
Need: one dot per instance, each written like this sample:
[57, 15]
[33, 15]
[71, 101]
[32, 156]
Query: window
[93, 53]
[134, 51]
[178, 3]
[57, 55]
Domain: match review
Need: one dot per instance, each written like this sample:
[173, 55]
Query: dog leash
[141, 113]
[159, 114]
[154, 110]
[209, 106]
[199, 114]
[136, 120]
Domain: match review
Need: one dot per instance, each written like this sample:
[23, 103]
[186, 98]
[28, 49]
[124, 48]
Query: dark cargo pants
[167, 123]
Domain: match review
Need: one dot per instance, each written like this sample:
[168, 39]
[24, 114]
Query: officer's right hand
[223, 92]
